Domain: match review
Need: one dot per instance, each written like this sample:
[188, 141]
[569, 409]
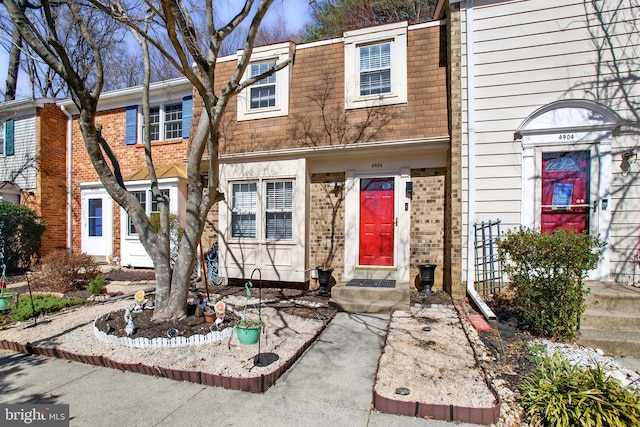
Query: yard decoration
[6, 296]
[131, 327]
[248, 330]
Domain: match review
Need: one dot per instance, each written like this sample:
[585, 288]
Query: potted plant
[247, 329]
[324, 280]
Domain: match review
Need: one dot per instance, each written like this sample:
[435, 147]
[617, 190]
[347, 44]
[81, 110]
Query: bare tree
[175, 21]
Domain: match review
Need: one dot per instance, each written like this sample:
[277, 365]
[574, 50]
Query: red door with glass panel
[377, 221]
[565, 191]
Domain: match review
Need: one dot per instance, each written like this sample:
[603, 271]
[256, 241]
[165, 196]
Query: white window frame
[261, 210]
[2, 139]
[277, 53]
[162, 122]
[396, 35]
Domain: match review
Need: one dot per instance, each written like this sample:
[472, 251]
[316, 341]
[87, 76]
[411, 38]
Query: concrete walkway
[330, 385]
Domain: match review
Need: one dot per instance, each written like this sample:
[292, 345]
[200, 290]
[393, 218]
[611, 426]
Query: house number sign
[566, 137]
[376, 165]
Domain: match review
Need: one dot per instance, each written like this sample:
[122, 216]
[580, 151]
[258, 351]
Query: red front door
[565, 191]
[377, 221]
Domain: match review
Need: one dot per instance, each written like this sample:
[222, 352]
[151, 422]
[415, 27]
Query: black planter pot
[324, 279]
[427, 277]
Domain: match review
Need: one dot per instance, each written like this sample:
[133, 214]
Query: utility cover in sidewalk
[372, 283]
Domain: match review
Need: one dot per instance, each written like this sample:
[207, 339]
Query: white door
[97, 224]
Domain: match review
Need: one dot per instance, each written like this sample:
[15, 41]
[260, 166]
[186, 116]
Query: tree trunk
[14, 66]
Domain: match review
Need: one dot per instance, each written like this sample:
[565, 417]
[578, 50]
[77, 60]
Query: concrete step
[612, 296]
[356, 299]
[618, 343]
[595, 318]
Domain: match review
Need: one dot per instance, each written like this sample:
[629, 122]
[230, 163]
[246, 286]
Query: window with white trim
[275, 213]
[149, 204]
[166, 122]
[376, 66]
[263, 93]
[268, 97]
[2, 139]
[142, 198]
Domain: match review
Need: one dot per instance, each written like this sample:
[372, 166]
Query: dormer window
[268, 97]
[375, 64]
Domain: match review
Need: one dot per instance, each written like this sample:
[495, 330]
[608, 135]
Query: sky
[296, 13]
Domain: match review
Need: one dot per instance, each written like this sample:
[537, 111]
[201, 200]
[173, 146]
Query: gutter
[69, 176]
[471, 165]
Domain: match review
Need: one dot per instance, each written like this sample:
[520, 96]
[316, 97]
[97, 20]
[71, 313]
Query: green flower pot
[248, 332]
[6, 298]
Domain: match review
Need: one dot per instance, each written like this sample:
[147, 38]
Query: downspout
[69, 176]
[471, 165]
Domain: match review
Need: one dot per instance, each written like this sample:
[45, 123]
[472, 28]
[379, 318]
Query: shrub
[20, 233]
[63, 271]
[41, 304]
[560, 394]
[96, 286]
[547, 271]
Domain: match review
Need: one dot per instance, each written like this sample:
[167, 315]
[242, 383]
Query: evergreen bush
[546, 272]
[564, 395]
[20, 233]
[96, 286]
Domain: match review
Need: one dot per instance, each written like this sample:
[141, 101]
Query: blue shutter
[187, 107]
[131, 128]
[9, 137]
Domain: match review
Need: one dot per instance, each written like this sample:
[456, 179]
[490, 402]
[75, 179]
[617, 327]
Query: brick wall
[453, 226]
[51, 188]
[428, 223]
[321, 69]
[326, 223]
[131, 158]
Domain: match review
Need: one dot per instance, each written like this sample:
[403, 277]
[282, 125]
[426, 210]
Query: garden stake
[259, 309]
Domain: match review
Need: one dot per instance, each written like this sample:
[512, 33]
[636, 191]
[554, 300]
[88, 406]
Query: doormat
[372, 283]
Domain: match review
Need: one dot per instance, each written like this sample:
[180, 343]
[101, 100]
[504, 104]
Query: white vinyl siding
[528, 54]
[20, 168]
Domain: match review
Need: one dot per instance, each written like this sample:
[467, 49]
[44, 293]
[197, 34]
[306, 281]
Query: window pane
[263, 92]
[154, 122]
[375, 69]
[244, 203]
[263, 67]
[154, 202]
[95, 217]
[262, 97]
[141, 196]
[279, 207]
[173, 121]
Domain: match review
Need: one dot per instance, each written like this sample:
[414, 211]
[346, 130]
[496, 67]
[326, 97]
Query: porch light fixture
[336, 187]
[409, 190]
[628, 158]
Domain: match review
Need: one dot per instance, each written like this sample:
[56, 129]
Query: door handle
[396, 221]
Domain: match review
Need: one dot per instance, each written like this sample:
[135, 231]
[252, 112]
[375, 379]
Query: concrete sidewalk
[331, 384]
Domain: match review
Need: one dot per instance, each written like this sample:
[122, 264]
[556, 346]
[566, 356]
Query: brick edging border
[484, 416]
[258, 384]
